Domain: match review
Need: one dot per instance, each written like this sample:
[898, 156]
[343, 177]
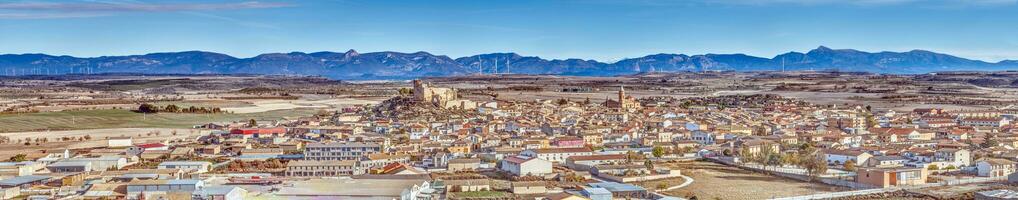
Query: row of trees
[40, 140]
[659, 151]
[149, 108]
[808, 158]
[255, 166]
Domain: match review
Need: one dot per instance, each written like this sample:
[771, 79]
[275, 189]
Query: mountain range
[353, 65]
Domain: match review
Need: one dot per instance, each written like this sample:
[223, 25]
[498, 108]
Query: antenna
[507, 66]
[480, 65]
[782, 64]
[496, 66]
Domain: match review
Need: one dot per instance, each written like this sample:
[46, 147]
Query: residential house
[838, 157]
[956, 157]
[888, 177]
[885, 161]
[258, 132]
[568, 142]
[995, 167]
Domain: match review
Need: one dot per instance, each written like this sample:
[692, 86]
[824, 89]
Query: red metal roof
[250, 131]
[151, 145]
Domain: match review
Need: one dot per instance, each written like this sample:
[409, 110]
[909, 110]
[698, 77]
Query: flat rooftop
[348, 188]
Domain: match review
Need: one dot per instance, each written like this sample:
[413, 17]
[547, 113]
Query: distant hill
[396, 65]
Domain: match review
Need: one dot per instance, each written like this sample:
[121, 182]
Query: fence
[841, 194]
[895, 189]
[798, 174]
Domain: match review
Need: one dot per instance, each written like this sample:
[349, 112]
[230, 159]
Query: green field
[96, 119]
[200, 103]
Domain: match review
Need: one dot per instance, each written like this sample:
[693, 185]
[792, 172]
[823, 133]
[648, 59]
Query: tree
[747, 156]
[814, 163]
[988, 141]
[648, 164]
[932, 167]
[406, 91]
[171, 108]
[682, 151]
[252, 123]
[658, 151]
[871, 121]
[850, 165]
[630, 156]
[563, 101]
[791, 159]
[773, 159]
[148, 108]
[18, 158]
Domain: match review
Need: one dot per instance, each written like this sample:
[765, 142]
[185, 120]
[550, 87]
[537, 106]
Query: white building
[196, 166]
[153, 189]
[424, 191]
[838, 157]
[953, 157]
[116, 142]
[88, 164]
[557, 155]
[986, 122]
[703, 138]
[220, 192]
[526, 166]
[995, 167]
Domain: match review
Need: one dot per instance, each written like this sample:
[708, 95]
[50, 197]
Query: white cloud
[135, 7]
[937, 3]
[924, 3]
[52, 10]
[48, 15]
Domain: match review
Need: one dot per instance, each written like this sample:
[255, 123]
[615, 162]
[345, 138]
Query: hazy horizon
[602, 30]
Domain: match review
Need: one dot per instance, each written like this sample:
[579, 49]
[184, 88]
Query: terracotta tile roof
[151, 145]
[562, 150]
[599, 157]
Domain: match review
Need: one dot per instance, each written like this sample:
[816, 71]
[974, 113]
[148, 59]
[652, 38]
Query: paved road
[684, 184]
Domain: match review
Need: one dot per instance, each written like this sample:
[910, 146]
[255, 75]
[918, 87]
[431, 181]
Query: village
[429, 143]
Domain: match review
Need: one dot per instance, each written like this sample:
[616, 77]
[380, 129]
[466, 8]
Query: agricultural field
[81, 139]
[118, 118]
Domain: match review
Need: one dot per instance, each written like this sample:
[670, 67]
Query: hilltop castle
[423, 92]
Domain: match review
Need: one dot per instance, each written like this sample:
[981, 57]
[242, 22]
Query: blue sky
[603, 30]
